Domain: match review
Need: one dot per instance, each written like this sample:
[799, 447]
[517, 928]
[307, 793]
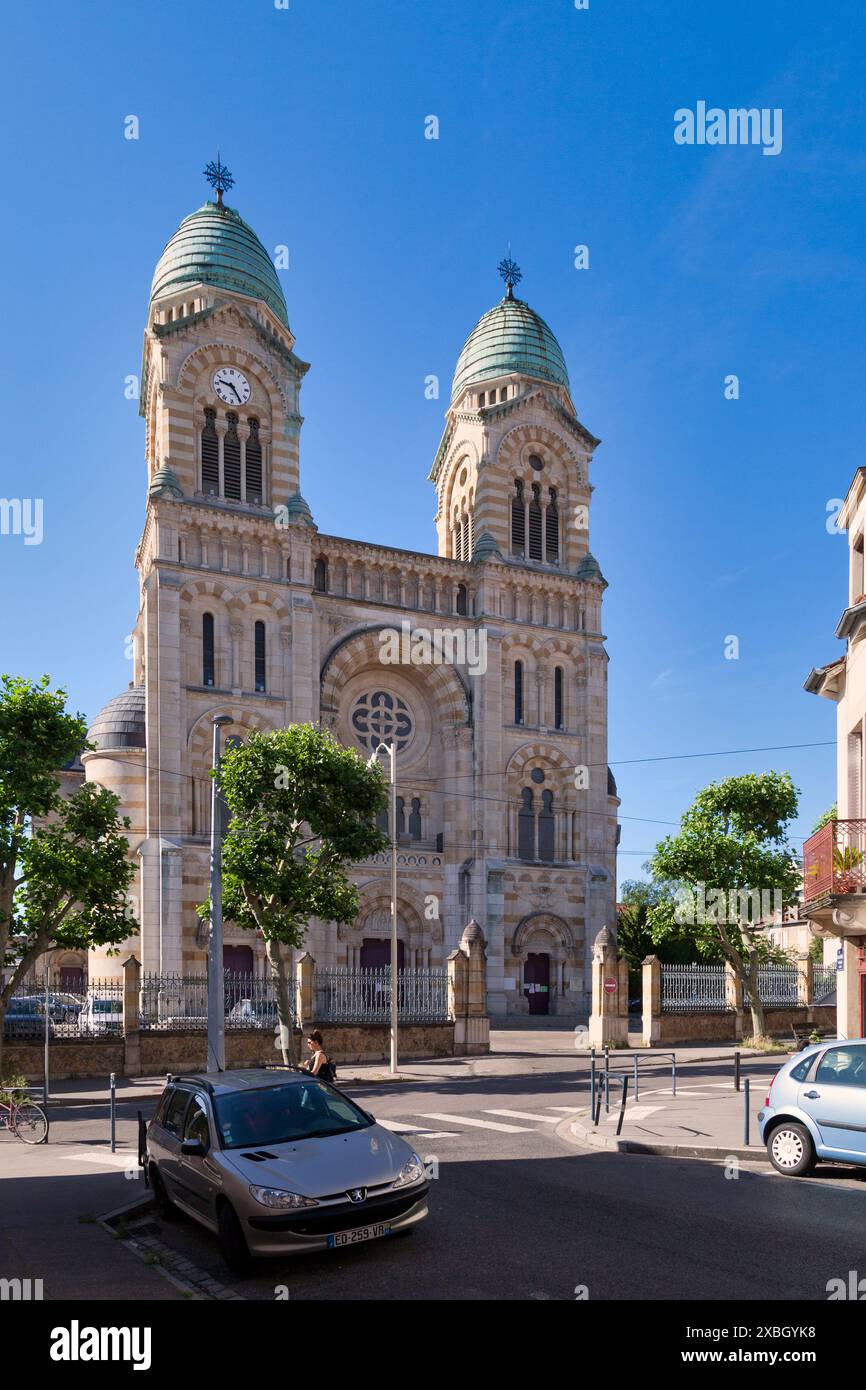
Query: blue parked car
[816, 1108]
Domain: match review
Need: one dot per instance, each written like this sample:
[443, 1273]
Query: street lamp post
[216, 999]
[391, 750]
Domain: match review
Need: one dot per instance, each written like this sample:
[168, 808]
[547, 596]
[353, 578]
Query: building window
[260, 656]
[210, 456]
[551, 523]
[546, 828]
[518, 520]
[232, 459]
[254, 464]
[558, 721]
[536, 463]
[400, 813]
[535, 523]
[320, 576]
[518, 692]
[207, 650]
[462, 601]
[857, 576]
[415, 819]
[526, 826]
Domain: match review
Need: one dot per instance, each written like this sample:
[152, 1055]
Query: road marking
[525, 1115]
[634, 1114]
[565, 1109]
[108, 1160]
[397, 1128]
[476, 1124]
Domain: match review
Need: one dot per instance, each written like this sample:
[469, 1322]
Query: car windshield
[280, 1114]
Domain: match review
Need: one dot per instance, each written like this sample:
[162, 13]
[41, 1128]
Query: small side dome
[297, 509]
[485, 549]
[120, 724]
[590, 570]
[165, 483]
[510, 337]
[215, 246]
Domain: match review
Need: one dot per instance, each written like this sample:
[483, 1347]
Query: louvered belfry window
[552, 528]
[210, 456]
[535, 523]
[232, 458]
[254, 464]
[518, 520]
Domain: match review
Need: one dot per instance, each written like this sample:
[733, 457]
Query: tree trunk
[284, 1010]
[756, 1008]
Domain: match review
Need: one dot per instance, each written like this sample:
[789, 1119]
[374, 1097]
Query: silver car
[277, 1162]
[816, 1108]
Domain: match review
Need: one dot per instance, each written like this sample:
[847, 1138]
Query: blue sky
[556, 129]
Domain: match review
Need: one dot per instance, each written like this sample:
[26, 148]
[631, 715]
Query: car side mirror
[193, 1148]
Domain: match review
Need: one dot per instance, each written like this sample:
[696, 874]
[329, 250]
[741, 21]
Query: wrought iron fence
[364, 996]
[178, 1003]
[694, 989]
[824, 982]
[777, 987]
[95, 1012]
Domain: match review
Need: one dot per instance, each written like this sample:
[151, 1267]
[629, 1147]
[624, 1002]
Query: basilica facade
[484, 662]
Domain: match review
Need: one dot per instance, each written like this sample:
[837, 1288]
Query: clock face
[231, 386]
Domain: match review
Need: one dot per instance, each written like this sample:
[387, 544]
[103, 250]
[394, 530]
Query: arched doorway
[536, 982]
[375, 953]
[238, 959]
[72, 979]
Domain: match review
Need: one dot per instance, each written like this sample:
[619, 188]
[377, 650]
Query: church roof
[120, 724]
[510, 337]
[215, 246]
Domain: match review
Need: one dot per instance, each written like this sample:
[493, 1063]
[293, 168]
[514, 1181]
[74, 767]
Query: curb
[190, 1281]
[575, 1132]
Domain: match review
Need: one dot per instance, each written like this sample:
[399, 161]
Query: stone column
[304, 991]
[467, 994]
[608, 1022]
[652, 1001]
[805, 981]
[131, 1022]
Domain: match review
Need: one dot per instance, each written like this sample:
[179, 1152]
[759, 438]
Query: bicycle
[24, 1118]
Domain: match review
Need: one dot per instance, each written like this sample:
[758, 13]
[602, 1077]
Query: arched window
[526, 826]
[401, 815]
[415, 819]
[207, 649]
[546, 827]
[254, 464]
[462, 601]
[210, 456]
[518, 692]
[558, 721]
[232, 458]
[535, 523]
[260, 656]
[552, 528]
[320, 575]
[518, 520]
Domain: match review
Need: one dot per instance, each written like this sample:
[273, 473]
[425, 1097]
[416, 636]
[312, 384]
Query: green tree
[825, 819]
[64, 866]
[635, 936]
[731, 844]
[303, 810]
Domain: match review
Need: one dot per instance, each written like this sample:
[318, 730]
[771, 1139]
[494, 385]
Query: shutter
[855, 805]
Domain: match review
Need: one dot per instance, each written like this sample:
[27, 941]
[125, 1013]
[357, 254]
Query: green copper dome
[215, 246]
[510, 337]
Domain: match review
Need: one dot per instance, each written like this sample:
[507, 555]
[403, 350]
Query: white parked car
[100, 1016]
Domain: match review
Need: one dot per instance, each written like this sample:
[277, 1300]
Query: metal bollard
[737, 1069]
[674, 1071]
[113, 1103]
[746, 1116]
[606, 1079]
[591, 1079]
[622, 1104]
[636, 1092]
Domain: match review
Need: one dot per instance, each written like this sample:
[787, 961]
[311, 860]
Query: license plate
[360, 1233]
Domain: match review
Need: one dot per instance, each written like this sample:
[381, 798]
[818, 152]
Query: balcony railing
[834, 859]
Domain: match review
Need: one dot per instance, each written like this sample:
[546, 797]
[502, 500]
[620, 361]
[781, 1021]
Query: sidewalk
[703, 1120]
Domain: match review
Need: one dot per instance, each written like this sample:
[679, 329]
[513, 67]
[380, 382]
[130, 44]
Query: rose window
[382, 718]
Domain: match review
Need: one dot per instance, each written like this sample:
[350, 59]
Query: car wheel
[233, 1246]
[790, 1150]
[165, 1207]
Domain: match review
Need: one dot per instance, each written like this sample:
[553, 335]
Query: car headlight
[281, 1200]
[413, 1171]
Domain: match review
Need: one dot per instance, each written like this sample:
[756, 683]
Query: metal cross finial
[219, 177]
[511, 274]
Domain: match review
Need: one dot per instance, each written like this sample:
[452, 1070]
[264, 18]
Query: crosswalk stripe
[475, 1124]
[525, 1115]
[564, 1109]
[397, 1128]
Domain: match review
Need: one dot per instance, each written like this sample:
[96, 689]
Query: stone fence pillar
[304, 990]
[652, 1001]
[805, 981]
[467, 994]
[132, 1017]
[608, 1022]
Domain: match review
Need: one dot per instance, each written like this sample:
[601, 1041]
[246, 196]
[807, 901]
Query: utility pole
[216, 999]
[391, 750]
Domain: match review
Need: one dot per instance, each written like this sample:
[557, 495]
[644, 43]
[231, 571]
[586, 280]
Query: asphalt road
[517, 1212]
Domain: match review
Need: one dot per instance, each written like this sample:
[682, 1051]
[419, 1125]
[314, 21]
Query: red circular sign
[610, 986]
